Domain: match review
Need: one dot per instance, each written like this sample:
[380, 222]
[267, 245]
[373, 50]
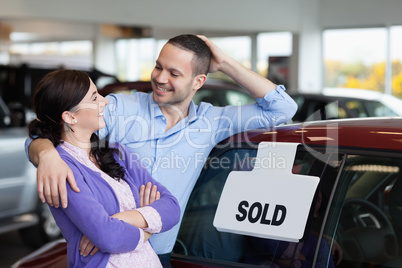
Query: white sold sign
[269, 201]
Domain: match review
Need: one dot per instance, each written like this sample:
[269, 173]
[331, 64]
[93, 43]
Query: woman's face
[89, 112]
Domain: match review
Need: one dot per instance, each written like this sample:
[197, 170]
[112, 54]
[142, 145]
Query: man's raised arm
[52, 173]
[278, 106]
[257, 85]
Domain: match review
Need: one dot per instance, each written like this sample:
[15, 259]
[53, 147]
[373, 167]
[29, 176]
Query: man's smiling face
[172, 79]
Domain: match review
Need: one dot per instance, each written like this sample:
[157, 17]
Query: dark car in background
[215, 92]
[335, 103]
[338, 182]
[17, 83]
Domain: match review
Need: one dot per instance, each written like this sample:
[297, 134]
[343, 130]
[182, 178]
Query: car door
[366, 215]
[200, 244]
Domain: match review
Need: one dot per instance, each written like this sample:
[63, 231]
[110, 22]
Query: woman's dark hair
[60, 91]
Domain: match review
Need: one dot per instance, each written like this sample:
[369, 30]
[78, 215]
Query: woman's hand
[148, 194]
[86, 247]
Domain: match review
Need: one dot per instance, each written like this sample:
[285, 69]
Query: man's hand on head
[217, 57]
[257, 85]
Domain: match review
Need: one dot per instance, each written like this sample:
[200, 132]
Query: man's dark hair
[202, 53]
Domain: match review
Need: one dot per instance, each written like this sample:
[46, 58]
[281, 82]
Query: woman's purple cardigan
[89, 211]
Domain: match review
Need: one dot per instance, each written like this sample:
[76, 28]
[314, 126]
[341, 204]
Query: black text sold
[257, 212]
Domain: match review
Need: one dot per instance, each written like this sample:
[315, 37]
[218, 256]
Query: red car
[318, 194]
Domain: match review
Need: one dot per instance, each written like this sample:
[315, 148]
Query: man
[170, 134]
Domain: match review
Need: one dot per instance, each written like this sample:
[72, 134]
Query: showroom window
[273, 55]
[136, 57]
[70, 54]
[273, 52]
[367, 58]
[396, 59]
[355, 58]
[238, 47]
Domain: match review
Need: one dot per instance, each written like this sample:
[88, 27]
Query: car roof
[389, 100]
[334, 94]
[379, 133]
[347, 93]
[352, 93]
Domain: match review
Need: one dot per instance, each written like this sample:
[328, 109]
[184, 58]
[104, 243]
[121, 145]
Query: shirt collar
[192, 112]
[154, 107]
[157, 112]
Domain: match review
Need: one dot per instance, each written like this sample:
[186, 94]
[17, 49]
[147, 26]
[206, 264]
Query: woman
[107, 210]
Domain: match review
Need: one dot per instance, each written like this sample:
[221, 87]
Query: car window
[356, 108]
[299, 101]
[198, 238]
[316, 110]
[299, 115]
[238, 98]
[311, 109]
[334, 111]
[222, 97]
[379, 109]
[369, 201]
[308, 109]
